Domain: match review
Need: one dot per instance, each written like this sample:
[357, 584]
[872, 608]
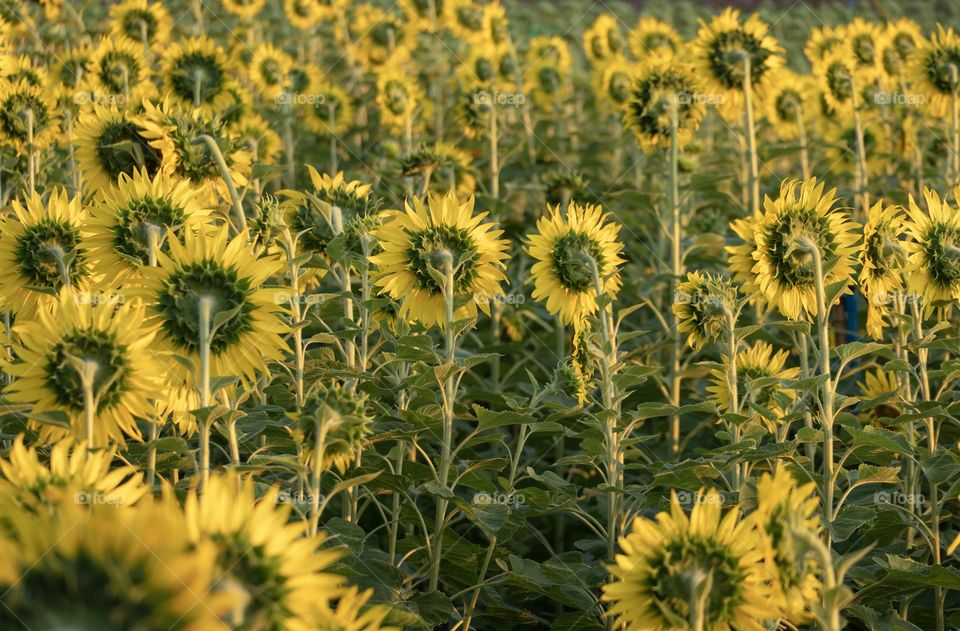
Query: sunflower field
[334, 315]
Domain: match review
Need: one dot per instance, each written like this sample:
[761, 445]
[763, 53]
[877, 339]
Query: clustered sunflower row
[269, 363]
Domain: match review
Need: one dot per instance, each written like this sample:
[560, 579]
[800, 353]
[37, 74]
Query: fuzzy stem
[205, 308]
[751, 136]
[88, 372]
[673, 201]
[31, 152]
[239, 219]
[319, 446]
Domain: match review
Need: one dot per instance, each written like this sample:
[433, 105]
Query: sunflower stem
[955, 125]
[205, 317]
[88, 372]
[804, 149]
[862, 175]
[289, 147]
[71, 153]
[754, 176]
[332, 123]
[449, 394]
[673, 201]
[732, 385]
[31, 152]
[319, 446]
[197, 6]
[152, 452]
[239, 218]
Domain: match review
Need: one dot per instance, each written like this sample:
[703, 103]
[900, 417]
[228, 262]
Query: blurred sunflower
[415, 243]
[841, 146]
[343, 422]
[836, 74]
[141, 21]
[704, 304]
[43, 250]
[466, 20]
[933, 266]
[822, 40]
[663, 87]
[784, 507]
[443, 167]
[284, 575]
[261, 142]
[269, 71]
[196, 74]
[67, 470]
[304, 15]
[882, 260]
[740, 257]
[548, 85]
[246, 10]
[101, 568]
[330, 113]
[119, 70]
[760, 371]
[863, 41]
[935, 70]
[720, 52]
[570, 247]
[22, 68]
[425, 16]
[613, 84]
[80, 333]
[70, 70]
[380, 37]
[563, 186]
[653, 38]
[665, 563]
[131, 222]
[879, 396]
[208, 267]
[28, 118]
[552, 49]
[787, 101]
[604, 40]
[899, 42]
[802, 213]
[110, 143]
[398, 97]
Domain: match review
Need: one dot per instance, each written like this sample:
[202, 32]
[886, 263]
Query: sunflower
[547, 84]
[71, 69]
[653, 38]
[380, 37]
[882, 258]
[841, 146]
[759, 373]
[879, 393]
[42, 250]
[863, 42]
[837, 76]
[935, 70]
[196, 75]
[306, 15]
[740, 257]
[16, 69]
[721, 49]
[269, 71]
[261, 142]
[663, 87]
[80, 332]
[28, 117]
[704, 305]
[141, 21]
[665, 562]
[398, 97]
[172, 130]
[330, 112]
[803, 213]
[481, 67]
[933, 265]
[284, 575]
[613, 83]
[110, 143]
[822, 40]
[246, 10]
[101, 568]
[784, 507]
[209, 268]
[343, 422]
[563, 186]
[604, 40]
[69, 473]
[552, 49]
[443, 166]
[899, 43]
[417, 242]
[119, 69]
[466, 21]
[138, 214]
[572, 249]
[787, 101]
[425, 16]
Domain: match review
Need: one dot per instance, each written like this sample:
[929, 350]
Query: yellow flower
[84, 331]
[27, 117]
[111, 143]
[782, 508]
[613, 83]
[269, 71]
[196, 75]
[863, 42]
[466, 20]
[425, 16]
[262, 143]
[552, 49]
[380, 37]
[935, 70]
[837, 76]
[244, 9]
[604, 40]
[141, 21]
[803, 213]
[933, 266]
[284, 575]
[119, 70]
[665, 561]
[330, 110]
[306, 15]
[759, 370]
[446, 167]
[899, 42]
[130, 222]
[42, 250]
[788, 100]
[740, 257]
[415, 244]
[704, 304]
[398, 97]
[662, 87]
[569, 249]
[653, 38]
[876, 384]
[343, 422]
[210, 267]
[822, 40]
[882, 261]
[16, 69]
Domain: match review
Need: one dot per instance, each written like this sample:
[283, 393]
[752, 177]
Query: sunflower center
[940, 249]
[384, 35]
[397, 98]
[119, 71]
[427, 249]
[943, 69]
[41, 252]
[571, 260]
[682, 562]
[262, 577]
[548, 78]
[839, 81]
[619, 87]
[139, 25]
[655, 99]
[653, 41]
[99, 348]
[197, 77]
[271, 72]
[72, 71]
[121, 149]
[16, 113]
[864, 49]
[728, 53]
[793, 266]
[179, 305]
[138, 219]
[788, 105]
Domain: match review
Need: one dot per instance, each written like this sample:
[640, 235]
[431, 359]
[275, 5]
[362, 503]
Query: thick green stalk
[750, 123]
[239, 219]
[673, 200]
[205, 307]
